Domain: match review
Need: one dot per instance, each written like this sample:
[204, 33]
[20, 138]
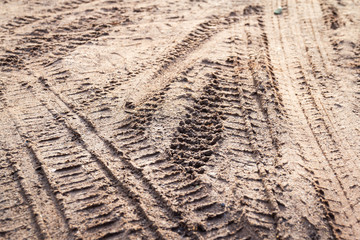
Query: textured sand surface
[169, 119]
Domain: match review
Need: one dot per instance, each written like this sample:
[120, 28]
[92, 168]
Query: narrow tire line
[257, 155]
[59, 206]
[35, 218]
[320, 198]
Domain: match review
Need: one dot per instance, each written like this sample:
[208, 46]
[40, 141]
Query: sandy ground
[168, 119]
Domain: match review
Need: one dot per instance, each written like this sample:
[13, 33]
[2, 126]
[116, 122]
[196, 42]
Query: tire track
[316, 182]
[237, 132]
[335, 154]
[196, 38]
[330, 151]
[21, 21]
[327, 148]
[345, 53]
[129, 176]
[47, 45]
[314, 225]
[176, 174]
[93, 204]
[131, 138]
[51, 220]
[18, 219]
[333, 88]
[263, 94]
[281, 183]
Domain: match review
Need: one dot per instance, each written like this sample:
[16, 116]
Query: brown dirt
[195, 119]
